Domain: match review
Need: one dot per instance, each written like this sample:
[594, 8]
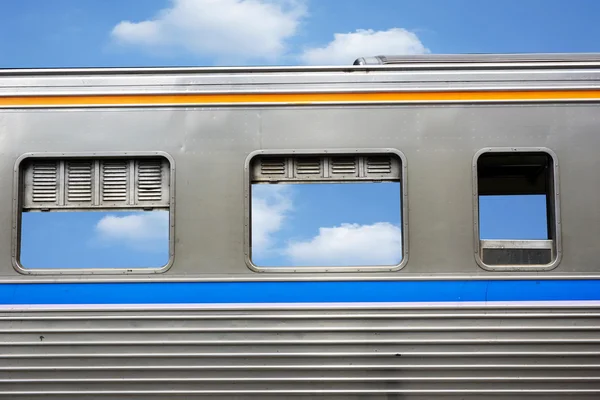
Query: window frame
[519, 243]
[325, 152]
[18, 210]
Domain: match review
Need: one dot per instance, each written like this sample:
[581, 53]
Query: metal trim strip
[333, 306]
[383, 292]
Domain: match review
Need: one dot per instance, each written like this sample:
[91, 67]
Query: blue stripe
[298, 292]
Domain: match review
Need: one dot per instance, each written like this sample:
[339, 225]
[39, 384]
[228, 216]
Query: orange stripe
[297, 98]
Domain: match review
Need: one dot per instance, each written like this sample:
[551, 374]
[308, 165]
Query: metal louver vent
[44, 182]
[114, 181]
[325, 168]
[149, 180]
[379, 165]
[308, 166]
[96, 183]
[272, 166]
[79, 181]
[344, 166]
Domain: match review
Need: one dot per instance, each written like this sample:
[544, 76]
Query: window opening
[517, 209]
[326, 212]
[94, 213]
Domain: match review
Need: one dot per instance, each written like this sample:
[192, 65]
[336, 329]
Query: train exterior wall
[210, 326]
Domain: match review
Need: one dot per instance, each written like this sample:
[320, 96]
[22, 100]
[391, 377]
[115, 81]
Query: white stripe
[270, 306]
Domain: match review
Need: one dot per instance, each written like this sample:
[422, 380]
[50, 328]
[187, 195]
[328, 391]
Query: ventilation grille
[308, 166]
[115, 179]
[149, 180]
[347, 166]
[379, 165]
[79, 182]
[339, 168]
[96, 184]
[44, 188]
[273, 166]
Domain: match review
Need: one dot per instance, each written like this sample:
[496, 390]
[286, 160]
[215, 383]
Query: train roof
[384, 62]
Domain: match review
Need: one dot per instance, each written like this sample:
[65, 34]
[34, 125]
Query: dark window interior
[516, 208]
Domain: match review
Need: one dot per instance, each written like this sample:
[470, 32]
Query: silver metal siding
[210, 145]
[370, 352]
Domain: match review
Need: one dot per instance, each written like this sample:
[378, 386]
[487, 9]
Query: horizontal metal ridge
[391, 85]
[486, 315]
[321, 367]
[537, 307]
[297, 391]
[315, 379]
[421, 61]
[477, 58]
[268, 342]
[307, 329]
[303, 352]
[375, 354]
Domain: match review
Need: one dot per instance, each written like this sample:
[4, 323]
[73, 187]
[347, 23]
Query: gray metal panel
[210, 144]
[439, 143]
[369, 352]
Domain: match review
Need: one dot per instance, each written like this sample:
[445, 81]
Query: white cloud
[347, 47]
[350, 244]
[143, 230]
[233, 29]
[270, 206]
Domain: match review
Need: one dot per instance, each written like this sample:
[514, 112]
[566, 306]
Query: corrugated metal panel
[96, 184]
[370, 352]
[317, 168]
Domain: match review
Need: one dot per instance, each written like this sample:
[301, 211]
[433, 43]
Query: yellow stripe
[297, 98]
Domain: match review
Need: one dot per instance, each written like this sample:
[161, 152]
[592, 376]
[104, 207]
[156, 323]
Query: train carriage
[456, 314]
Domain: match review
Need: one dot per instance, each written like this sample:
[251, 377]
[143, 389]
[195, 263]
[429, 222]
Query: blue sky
[333, 224]
[95, 239]
[97, 33]
[60, 33]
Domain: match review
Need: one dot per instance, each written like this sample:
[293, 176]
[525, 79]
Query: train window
[94, 215]
[517, 210]
[326, 212]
